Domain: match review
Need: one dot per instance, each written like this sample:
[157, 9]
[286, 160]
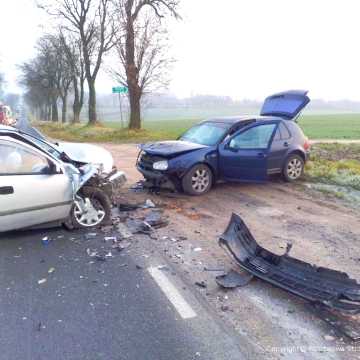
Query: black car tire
[198, 180]
[99, 200]
[293, 168]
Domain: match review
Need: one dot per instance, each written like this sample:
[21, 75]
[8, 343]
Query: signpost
[120, 90]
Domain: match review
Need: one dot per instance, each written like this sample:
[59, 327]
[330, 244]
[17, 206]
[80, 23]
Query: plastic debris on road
[234, 279]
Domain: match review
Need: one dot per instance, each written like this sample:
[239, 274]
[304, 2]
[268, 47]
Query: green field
[334, 126]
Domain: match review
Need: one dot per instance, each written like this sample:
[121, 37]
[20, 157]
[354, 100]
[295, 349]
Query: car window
[206, 133]
[44, 145]
[285, 134]
[16, 159]
[277, 136]
[257, 137]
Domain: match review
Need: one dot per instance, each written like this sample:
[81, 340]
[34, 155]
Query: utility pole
[121, 112]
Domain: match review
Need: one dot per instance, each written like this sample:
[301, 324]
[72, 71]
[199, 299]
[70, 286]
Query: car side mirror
[53, 169]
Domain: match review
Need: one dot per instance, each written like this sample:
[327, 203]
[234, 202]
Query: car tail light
[307, 144]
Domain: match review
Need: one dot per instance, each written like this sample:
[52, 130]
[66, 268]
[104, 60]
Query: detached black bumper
[320, 285]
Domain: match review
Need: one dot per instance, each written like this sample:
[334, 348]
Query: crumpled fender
[320, 285]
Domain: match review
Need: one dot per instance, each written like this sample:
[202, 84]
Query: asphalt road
[91, 309]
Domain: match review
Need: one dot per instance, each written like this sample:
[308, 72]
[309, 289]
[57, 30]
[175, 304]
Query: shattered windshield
[209, 133]
[44, 145]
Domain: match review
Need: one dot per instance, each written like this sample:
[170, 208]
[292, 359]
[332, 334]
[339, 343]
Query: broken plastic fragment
[201, 284]
[91, 253]
[234, 279]
[110, 238]
[124, 231]
[156, 219]
[89, 236]
[45, 240]
[149, 204]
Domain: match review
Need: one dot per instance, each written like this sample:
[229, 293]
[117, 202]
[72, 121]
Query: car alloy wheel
[294, 168]
[89, 214]
[200, 180]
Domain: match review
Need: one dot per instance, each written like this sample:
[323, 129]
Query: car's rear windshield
[207, 133]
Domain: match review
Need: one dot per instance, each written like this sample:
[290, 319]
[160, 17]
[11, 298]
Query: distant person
[6, 117]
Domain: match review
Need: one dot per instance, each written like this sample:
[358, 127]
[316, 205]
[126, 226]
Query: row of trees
[131, 31]
[56, 70]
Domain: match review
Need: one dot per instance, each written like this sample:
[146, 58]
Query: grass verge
[335, 164]
[339, 126]
[102, 133]
[334, 169]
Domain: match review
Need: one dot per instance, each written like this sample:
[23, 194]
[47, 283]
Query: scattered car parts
[234, 279]
[343, 324]
[319, 285]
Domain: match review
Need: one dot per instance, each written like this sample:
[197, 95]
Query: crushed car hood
[170, 148]
[88, 153]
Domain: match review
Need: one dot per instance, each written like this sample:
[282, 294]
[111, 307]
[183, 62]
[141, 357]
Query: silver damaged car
[41, 185]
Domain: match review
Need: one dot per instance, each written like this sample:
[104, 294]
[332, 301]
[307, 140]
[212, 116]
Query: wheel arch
[213, 172]
[297, 152]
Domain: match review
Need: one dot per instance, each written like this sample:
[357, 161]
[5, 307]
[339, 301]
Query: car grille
[146, 161]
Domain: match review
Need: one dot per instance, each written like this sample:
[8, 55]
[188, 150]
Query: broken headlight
[161, 165]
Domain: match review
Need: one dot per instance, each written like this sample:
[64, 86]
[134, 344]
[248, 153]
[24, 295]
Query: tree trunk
[135, 109]
[48, 115]
[132, 74]
[76, 105]
[54, 111]
[92, 103]
[42, 113]
[64, 109]
[77, 111]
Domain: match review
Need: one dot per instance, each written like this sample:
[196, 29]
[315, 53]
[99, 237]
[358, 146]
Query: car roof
[7, 128]
[231, 120]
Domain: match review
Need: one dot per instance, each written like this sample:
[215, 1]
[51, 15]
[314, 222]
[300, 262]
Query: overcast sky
[240, 48]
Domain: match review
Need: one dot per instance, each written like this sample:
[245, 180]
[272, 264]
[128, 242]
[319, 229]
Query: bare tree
[73, 50]
[52, 47]
[49, 73]
[141, 47]
[35, 80]
[46, 70]
[92, 21]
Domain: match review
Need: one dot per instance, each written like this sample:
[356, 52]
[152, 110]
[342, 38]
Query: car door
[33, 189]
[244, 157]
[279, 149]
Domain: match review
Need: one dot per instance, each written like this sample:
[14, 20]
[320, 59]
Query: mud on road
[323, 232]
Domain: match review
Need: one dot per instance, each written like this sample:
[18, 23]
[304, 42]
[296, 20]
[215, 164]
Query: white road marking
[174, 296]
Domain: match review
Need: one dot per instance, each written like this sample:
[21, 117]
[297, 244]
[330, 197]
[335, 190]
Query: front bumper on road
[331, 288]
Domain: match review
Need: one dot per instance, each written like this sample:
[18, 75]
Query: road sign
[120, 90]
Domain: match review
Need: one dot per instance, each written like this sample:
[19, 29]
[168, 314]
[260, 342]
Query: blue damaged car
[240, 148]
